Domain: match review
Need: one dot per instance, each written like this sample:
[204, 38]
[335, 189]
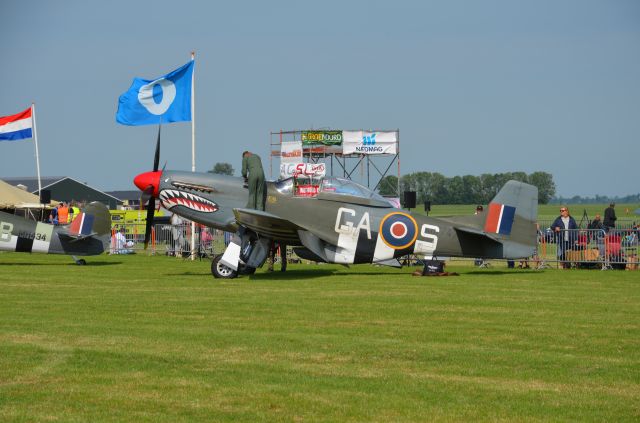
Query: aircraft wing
[268, 224]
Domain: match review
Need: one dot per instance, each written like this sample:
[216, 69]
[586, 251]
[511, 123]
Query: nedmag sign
[369, 142]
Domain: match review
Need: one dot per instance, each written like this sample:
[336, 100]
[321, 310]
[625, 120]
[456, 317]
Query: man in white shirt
[122, 245]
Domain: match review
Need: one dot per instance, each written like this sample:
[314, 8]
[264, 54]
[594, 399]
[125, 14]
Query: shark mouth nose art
[171, 198]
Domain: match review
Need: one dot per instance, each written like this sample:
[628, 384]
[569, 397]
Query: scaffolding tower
[373, 168]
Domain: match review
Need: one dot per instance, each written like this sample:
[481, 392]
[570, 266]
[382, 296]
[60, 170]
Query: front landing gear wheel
[220, 271]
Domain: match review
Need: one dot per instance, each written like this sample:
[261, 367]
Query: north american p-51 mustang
[341, 222]
[89, 234]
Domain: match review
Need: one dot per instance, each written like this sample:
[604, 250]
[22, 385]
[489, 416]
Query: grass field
[137, 338]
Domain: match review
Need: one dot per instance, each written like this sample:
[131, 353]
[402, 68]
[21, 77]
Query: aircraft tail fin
[507, 229]
[511, 219]
[93, 220]
[515, 201]
[101, 218]
[89, 233]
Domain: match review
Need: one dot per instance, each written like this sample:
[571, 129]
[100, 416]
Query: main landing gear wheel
[220, 271]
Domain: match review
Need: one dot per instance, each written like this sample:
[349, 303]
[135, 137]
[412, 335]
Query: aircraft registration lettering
[348, 227]
[43, 237]
[5, 231]
[430, 242]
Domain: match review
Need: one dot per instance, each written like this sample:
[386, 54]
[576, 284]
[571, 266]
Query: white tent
[14, 198]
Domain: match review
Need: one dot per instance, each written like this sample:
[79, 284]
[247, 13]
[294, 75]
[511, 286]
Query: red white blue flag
[499, 219]
[16, 127]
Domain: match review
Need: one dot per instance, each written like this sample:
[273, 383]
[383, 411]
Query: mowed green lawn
[137, 338]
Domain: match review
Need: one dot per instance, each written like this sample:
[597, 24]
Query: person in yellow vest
[72, 212]
[63, 214]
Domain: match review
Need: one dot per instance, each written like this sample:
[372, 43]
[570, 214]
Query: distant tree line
[467, 189]
[598, 199]
[222, 169]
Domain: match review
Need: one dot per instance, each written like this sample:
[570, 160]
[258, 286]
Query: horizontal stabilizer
[390, 262]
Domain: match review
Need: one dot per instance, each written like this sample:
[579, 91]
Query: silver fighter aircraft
[89, 234]
[339, 222]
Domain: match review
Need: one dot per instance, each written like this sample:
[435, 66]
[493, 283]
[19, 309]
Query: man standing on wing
[254, 175]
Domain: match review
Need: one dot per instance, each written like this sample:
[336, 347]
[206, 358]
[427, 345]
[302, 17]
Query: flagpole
[35, 141]
[193, 145]
[193, 115]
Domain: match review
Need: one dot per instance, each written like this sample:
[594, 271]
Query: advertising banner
[308, 170]
[291, 152]
[321, 137]
[307, 190]
[365, 142]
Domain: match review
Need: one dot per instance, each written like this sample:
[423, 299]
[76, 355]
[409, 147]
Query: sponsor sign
[365, 142]
[321, 137]
[307, 170]
[291, 152]
[307, 190]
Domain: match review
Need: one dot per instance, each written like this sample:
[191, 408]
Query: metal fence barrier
[172, 240]
[175, 240]
[577, 248]
[589, 248]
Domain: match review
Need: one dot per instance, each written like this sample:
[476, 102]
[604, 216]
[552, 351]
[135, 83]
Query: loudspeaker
[45, 196]
[409, 199]
[427, 205]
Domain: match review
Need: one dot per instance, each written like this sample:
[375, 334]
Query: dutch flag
[16, 127]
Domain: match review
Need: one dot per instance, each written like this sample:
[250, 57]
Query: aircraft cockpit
[332, 188]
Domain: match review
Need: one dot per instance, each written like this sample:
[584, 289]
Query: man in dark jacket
[596, 223]
[565, 228]
[254, 175]
[610, 217]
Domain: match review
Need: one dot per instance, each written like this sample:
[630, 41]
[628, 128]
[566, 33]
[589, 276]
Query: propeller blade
[150, 213]
[156, 159]
[148, 191]
[146, 194]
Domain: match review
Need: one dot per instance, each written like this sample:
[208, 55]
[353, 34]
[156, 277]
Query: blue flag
[148, 101]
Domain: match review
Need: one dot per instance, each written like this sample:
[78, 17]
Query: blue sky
[474, 86]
